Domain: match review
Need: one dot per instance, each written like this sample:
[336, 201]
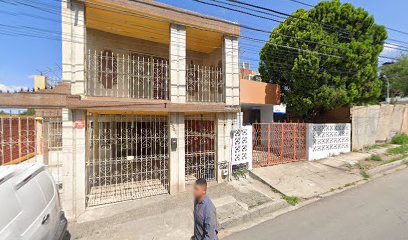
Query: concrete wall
[259, 92]
[377, 123]
[325, 140]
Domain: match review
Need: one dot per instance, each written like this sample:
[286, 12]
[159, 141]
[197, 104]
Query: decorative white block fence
[325, 140]
[242, 146]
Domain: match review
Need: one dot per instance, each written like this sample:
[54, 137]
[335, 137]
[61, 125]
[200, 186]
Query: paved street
[376, 210]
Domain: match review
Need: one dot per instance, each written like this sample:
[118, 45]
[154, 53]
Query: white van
[29, 204]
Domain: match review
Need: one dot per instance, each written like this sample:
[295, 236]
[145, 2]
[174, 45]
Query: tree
[28, 112]
[397, 76]
[324, 58]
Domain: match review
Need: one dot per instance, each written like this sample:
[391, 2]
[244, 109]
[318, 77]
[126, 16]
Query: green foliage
[241, 172]
[400, 139]
[398, 150]
[28, 112]
[292, 200]
[364, 174]
[397, 75]
[313, 82]
[375, 158]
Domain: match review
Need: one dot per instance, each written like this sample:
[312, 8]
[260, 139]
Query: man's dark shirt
[205, 220]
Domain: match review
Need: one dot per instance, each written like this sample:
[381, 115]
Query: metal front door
[127, 158]
[200, 140]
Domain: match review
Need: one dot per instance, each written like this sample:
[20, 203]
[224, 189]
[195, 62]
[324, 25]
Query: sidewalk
[240, 201]
[309, 179]
[170, 217]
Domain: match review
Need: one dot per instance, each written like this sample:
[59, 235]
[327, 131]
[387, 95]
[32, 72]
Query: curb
[240, 223]
[386, 167]
[254, 213]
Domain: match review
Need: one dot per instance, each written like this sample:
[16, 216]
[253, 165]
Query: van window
[9, 205]
[32, 202]
[46, 185]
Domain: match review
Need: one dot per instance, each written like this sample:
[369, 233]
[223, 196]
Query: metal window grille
[18, 139]
[127, 75]
[276, 143]
[128, 157]
[200, 140]
[54, 133]
[52, 147]
[205, 84]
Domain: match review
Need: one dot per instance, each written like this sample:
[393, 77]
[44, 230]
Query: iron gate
[31, 139]
[276, 143]
[18, 138]
[52, 147]
[200, 139]
[128, 157]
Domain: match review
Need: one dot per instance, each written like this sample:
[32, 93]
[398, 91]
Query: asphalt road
[376, 210]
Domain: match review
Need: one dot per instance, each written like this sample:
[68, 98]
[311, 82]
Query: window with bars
[127, 74]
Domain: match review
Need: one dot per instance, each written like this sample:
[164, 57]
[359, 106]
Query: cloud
[11, 88]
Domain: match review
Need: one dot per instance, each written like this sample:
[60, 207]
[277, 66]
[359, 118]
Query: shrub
[400, 139]
[291, 200]
[375, 158]
[398, 150]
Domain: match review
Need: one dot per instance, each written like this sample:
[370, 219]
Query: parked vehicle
[30, 204]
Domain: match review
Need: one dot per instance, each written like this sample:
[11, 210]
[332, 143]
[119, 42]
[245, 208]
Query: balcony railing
[127, 75]
[205, 84]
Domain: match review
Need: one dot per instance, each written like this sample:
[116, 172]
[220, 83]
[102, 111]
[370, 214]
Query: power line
[274, 33]
[284, 46]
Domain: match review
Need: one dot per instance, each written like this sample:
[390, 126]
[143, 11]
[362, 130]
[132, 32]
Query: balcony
[127, 75]
[205, 84]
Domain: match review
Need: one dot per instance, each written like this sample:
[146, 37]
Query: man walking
[205, 218]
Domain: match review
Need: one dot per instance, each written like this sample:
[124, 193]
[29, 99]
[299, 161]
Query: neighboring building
[258, 100]
[245, 72]
[149, 98]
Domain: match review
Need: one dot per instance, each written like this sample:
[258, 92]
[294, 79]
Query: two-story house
[154, 96]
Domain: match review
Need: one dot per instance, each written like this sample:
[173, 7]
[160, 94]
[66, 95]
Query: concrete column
[177, 63]
[231, 70]
[73, 147]
[226, 123]
[39, 139]
[73, 45]
[177, 156]
[266, 113]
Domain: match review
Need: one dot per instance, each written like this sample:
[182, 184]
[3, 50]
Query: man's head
[200, 189]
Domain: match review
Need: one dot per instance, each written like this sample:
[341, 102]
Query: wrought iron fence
[24, 138]
[200, 139]
[18, 139]
[128, 158]
[205, 84]
[276, 143]
[127, 75]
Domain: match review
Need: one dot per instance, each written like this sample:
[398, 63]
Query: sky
[23, 56]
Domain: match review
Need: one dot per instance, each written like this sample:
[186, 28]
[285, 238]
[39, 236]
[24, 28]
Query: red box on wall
[79, 124]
